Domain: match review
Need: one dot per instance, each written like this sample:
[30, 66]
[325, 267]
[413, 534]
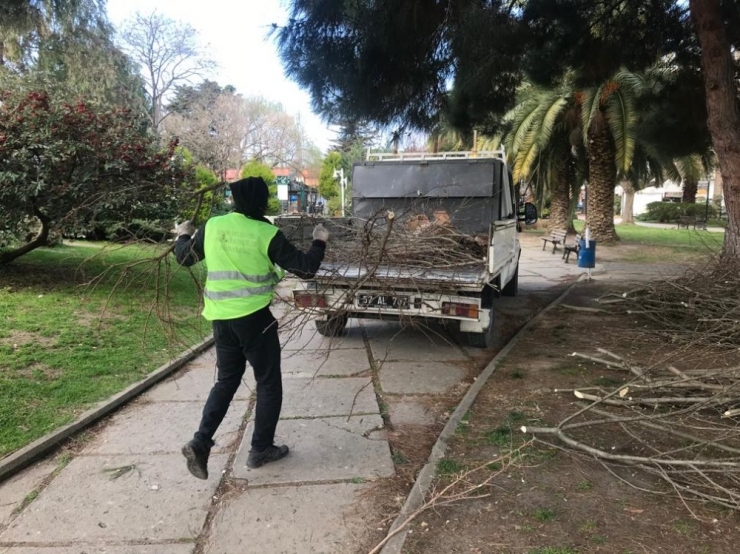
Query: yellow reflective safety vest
[241, 277]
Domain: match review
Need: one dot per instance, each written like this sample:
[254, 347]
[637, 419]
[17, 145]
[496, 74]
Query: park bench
[555, 237]
[574, 248]
[687, 220]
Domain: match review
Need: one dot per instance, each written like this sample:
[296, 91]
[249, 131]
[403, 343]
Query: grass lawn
[672, 238]
[65, 345]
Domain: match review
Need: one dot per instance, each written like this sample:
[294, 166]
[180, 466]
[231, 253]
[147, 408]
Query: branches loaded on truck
[431, 236]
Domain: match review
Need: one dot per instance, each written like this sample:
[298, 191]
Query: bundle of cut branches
[416, 240]
[701, 307]
[677, 425]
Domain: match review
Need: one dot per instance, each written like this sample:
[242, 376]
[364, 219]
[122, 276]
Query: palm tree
[542, 150]
[609, 123]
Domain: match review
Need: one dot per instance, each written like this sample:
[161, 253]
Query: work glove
[320, 233]
[185, 228]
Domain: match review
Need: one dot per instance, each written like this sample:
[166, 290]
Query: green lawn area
[65, 344]
[672, 238]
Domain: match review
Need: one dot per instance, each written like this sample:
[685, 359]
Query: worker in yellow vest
[246, 257]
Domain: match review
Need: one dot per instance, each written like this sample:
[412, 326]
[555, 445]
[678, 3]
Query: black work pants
[253, 339]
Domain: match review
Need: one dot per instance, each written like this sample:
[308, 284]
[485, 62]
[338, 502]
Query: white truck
[476, 191]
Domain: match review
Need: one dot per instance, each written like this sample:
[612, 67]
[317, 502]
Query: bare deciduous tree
[232, 129]
[168, 54]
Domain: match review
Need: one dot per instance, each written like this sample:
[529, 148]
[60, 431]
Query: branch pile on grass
[700, 308]
[680, 426]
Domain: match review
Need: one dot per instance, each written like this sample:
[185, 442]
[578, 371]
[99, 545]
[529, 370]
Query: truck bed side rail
[423, 156]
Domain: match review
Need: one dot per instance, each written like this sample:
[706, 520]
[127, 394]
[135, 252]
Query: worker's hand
[185, 228]
[320, 233]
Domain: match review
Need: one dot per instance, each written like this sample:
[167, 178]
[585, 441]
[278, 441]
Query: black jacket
[189, 250]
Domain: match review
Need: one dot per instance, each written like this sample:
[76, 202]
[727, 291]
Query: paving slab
[307, 337]
[162, 427]
[408, 412]
[157, 500]
[414, 345]
[194, 384]
[315, 519]
[328, 397]
[419, 377]
[105, 549]
[14, 490]
[322, 449]
[321, 363]
[207, 360]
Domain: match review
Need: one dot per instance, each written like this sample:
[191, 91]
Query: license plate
[382, 301]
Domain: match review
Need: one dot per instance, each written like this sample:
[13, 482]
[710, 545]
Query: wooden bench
[685, 221]
[556, 237]
[695, 222]
[574, 248]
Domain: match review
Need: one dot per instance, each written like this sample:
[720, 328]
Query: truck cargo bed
[472, 278]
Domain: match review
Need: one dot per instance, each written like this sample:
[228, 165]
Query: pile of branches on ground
[678, 425]
[701, 308]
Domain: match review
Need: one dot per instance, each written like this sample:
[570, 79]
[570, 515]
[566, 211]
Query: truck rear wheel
[333, 326]
[481, 340]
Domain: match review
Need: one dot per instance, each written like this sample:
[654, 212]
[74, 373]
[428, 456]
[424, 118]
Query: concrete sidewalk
[126, 489]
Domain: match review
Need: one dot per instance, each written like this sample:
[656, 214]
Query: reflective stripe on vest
[238, 293]
[241, 277]
[238, 276]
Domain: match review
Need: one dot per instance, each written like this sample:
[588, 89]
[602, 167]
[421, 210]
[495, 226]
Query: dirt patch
[38, 370]
[97, 320]
[556, 502]
[17, 339]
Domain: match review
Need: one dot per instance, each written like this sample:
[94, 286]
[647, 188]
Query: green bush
[669, 212]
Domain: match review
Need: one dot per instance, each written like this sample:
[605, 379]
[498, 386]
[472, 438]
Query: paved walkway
[126, 489]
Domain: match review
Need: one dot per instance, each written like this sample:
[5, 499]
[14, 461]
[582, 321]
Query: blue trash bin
[587, 254]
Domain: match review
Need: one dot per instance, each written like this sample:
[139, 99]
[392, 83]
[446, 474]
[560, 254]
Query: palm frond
[621, 116]
[554, 107]
[590, 109]
[523, 121]
[524, 157]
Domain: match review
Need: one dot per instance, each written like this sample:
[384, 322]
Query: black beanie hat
[250, 197]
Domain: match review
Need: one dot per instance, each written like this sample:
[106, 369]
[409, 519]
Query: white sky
[236, 32]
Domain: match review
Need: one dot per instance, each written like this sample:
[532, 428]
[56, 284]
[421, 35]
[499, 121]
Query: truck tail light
[460, 309]
[309, 300]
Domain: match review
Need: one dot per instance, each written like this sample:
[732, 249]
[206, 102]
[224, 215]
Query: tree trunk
[560, 201]
[602, 181]
[724, 117]
[628, 204]
[690, 186]
[40, 240]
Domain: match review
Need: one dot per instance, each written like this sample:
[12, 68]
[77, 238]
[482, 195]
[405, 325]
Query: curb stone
[20, 459]
[424, 480]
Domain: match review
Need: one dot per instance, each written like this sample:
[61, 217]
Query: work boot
[196, 453]
[270, 454]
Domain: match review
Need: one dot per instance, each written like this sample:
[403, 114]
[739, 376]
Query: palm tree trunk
[601, 184]
[724, 116]
[559, 200]
[628, 206]
[690, 186]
